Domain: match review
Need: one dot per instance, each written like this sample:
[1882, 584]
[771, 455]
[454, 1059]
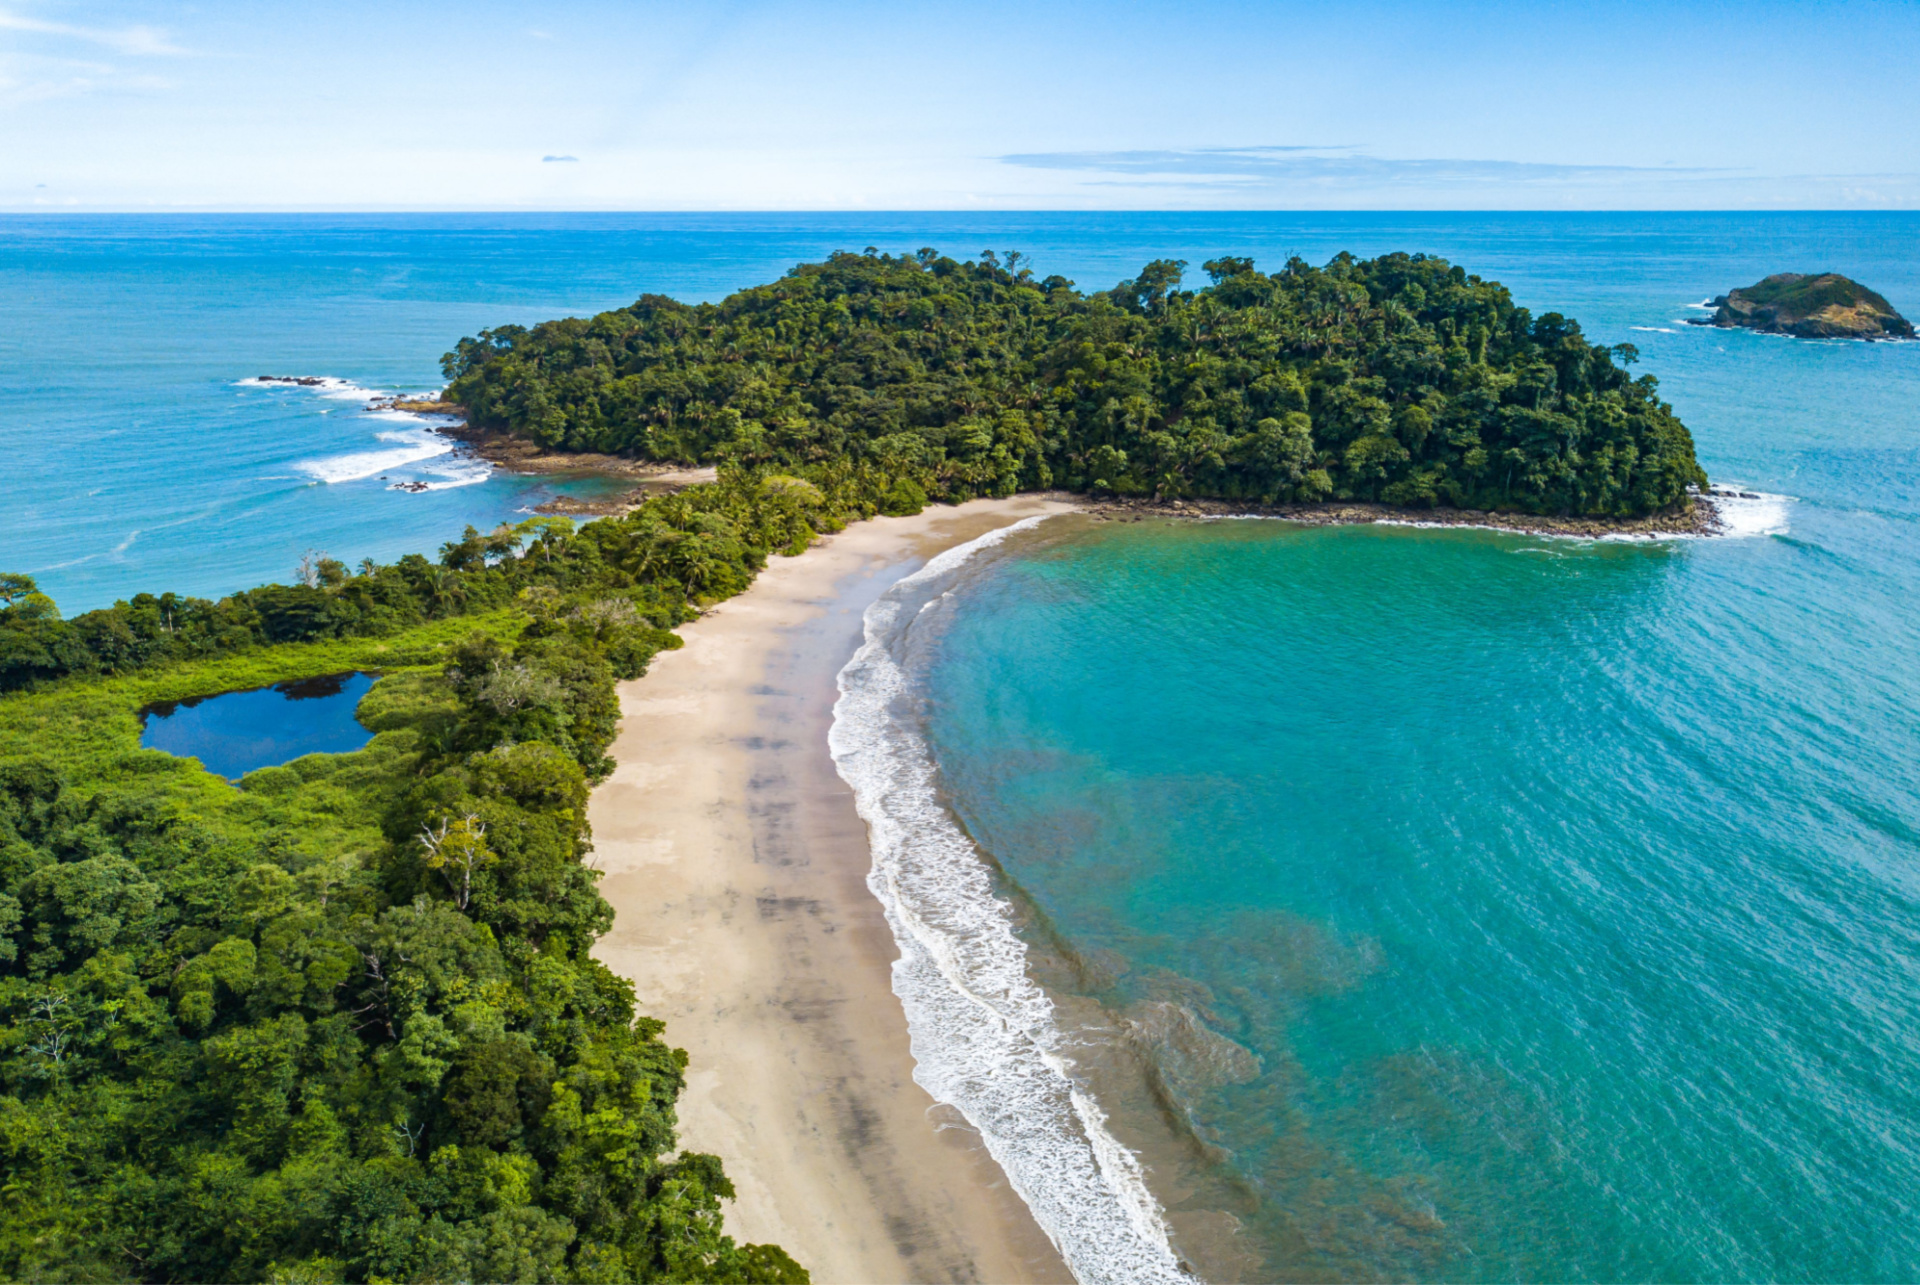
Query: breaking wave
[983, 1033]
[411, 446]
[1750, 513]
[328, 386]
[441, 466]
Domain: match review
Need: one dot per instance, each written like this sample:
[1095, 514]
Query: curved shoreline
[737, 868]
[740, 874]
[984, 1035]
[1703, 519]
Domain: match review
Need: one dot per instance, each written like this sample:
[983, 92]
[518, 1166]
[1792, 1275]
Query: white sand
[737, 869]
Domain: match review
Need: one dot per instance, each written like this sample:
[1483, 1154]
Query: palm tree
[445, 587]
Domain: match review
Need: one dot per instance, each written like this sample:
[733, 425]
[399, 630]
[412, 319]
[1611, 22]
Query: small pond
[235, 732]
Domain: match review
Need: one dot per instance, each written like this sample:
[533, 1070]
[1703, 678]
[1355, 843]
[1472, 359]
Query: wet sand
[737, 867]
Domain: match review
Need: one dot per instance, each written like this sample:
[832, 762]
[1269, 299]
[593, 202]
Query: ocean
[1297, 903]
[1440, 904]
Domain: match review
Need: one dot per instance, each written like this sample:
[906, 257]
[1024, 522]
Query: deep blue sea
[1413, 904]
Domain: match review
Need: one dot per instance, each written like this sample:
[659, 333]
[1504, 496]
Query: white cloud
[134, 41]
[16, 91]
[1308, 177]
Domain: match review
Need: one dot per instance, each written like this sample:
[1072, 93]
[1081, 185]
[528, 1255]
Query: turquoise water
[1446, 905]
[235, 733]
[1432, 904]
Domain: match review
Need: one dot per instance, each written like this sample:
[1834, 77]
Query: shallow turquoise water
[1566, 895]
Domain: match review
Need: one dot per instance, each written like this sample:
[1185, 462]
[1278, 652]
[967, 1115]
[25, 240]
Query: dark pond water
[235, 732]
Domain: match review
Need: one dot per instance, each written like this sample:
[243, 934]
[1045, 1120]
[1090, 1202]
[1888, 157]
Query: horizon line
[102, 211]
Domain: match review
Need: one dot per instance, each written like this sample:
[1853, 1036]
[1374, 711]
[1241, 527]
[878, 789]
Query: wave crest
[983, 1036]
[1746, 513]
[410, 448]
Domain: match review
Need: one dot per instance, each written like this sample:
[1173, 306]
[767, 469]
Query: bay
[1436, 904]
[1459, 905]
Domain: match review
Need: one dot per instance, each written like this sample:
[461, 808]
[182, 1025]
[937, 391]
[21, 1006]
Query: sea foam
[330, 387]
[410, 447]
[414, 444]
[983, 1036]
[1751, 513]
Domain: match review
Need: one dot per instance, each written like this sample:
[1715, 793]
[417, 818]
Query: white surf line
[982, 1032]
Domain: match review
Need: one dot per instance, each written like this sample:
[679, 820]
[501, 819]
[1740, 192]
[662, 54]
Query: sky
[744, 105]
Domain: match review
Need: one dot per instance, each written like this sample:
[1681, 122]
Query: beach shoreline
[1704, 518]
[517, 455]
[737, 868]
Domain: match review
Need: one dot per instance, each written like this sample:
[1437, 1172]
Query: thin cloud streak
[136, 41]
[1338, 178]
[1242, 167]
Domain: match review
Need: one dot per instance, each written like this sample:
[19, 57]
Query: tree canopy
[342, 1021]
[1402, 380]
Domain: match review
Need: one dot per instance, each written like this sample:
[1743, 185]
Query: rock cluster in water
[1822, 306]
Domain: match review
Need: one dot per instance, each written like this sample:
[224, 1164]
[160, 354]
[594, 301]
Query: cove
[237, 732]
[1464, 906]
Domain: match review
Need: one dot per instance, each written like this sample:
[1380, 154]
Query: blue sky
[741, 105]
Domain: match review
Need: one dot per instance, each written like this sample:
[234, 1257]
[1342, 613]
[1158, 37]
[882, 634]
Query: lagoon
[238, 732]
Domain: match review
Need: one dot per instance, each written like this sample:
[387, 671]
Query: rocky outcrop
[1822, 306]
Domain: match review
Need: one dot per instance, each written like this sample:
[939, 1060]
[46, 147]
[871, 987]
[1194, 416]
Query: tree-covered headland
[340, 1020]
[1400, 380]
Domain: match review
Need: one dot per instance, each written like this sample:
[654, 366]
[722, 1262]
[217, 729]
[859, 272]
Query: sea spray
[1745, 513]
[410, 447]
[418, 442]
[983, 1035]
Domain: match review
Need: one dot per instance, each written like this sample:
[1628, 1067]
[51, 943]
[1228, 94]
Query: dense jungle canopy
[1401, 380]
[341, 1020]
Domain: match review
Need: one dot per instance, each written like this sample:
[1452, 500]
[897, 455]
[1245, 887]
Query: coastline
[737, 868]
[1703, 519]
[516, 455]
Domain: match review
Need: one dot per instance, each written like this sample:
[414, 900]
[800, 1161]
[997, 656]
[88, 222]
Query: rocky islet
[1809, 306]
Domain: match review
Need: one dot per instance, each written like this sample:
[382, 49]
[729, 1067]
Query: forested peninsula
[340, 1019]
[1400, 380]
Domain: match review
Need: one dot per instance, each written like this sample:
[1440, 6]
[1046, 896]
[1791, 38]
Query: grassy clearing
[89, 730]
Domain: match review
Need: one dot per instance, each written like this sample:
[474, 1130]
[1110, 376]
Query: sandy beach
[736, 865]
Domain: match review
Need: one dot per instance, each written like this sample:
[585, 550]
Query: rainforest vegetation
[1401, 380]
[339, 1020]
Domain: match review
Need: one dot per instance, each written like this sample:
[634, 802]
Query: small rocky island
[1821, 306]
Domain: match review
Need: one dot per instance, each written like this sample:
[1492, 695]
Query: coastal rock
[1822, 306]
[1698, 517]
